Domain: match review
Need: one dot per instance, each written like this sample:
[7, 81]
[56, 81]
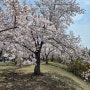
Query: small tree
[46, 51]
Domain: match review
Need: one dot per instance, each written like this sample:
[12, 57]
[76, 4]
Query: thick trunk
[37, 55]
[37, 66]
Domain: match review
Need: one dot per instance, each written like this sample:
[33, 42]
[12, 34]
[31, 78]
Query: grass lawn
[54, 77]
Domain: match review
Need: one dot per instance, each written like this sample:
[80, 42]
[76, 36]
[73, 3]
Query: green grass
[7, 63]
[61, 69]
[54, 77]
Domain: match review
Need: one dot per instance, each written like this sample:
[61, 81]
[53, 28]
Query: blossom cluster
[86, 75]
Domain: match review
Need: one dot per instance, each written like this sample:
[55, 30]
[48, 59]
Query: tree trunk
[37, 66]
[52, 59]
[20, 64]
[43, 58]
[37, 55]
[46, 59]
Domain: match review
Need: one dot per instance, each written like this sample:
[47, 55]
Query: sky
[81, 24]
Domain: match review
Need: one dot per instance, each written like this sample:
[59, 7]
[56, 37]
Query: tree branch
[58, 42]
[7, 29]
[25, 46]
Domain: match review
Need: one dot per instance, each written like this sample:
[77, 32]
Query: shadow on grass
[11, 80]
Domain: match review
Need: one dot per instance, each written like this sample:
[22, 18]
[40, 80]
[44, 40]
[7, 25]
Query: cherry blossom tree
[68, 46]
[85, 54]
[47, 50]
[30, 27]
[60, 13]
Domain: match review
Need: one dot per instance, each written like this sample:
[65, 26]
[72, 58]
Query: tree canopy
[26, 28]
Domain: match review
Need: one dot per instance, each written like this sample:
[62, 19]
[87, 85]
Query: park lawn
[54, 77]
[60, 69]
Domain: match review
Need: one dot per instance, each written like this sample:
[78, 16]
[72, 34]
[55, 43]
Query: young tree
[46, 51]
[31, 27]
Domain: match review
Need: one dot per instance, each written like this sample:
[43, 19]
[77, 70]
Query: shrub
[78, 67]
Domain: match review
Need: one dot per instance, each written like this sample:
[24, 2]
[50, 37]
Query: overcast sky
[81, 24]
